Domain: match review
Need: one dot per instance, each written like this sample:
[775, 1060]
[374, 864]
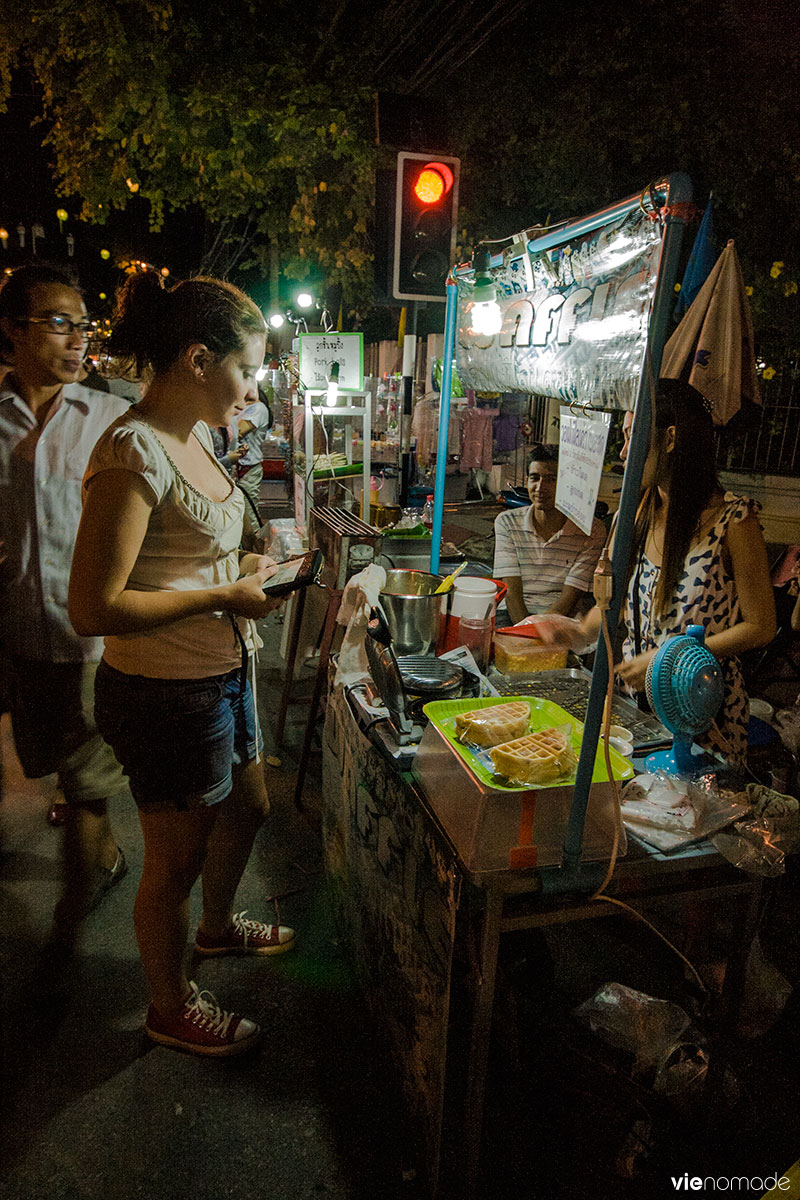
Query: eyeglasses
[58, 324]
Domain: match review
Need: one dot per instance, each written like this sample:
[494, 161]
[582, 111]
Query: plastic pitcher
[476, 597]
[471, 597]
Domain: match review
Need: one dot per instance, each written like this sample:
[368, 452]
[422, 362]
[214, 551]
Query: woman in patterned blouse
[698, 558]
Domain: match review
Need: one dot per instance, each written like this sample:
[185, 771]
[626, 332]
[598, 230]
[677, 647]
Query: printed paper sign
[580, 465]
[318, 353]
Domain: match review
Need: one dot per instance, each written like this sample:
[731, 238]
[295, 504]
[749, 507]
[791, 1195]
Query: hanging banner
[575, 318]
[582, 451]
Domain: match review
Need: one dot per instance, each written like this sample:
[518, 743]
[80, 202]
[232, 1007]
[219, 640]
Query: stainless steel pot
[413, 612]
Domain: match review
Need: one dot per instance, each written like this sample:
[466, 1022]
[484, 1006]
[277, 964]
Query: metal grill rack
[569, 688]
[335, 531]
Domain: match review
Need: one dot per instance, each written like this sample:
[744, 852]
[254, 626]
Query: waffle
[540, 757]
[495, 724]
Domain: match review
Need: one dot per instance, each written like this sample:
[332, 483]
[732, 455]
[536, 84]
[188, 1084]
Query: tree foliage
[234, 111]
[262, 116]
[601, 98]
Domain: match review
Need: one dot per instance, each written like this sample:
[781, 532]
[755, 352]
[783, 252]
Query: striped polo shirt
[569, 557]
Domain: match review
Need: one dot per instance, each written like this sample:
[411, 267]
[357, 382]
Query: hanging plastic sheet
[575, 317]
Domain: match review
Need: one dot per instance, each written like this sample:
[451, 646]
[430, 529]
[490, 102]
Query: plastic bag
[361, 593]
[766, 992]
[669, 812]
[281, 539]
[681, 1076]
[787, 722]
[642, 1025]
[759, 843]
[666, 1046]
[410, 522]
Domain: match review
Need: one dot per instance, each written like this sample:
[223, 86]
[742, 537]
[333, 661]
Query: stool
[326, 641]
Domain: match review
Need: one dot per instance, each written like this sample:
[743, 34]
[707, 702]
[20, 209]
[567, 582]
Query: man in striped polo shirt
[545, 560]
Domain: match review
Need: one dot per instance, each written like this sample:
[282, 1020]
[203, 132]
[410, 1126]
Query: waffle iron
[405, 684]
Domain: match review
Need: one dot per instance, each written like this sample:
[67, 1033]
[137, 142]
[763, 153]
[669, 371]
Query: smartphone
[294, 574]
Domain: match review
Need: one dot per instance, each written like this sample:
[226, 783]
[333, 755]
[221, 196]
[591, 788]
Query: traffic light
[426, 215]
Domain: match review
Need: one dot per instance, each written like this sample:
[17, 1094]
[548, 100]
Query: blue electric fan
[684, 689]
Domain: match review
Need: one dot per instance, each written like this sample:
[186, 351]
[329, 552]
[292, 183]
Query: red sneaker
[202, 1027]
[246, 937]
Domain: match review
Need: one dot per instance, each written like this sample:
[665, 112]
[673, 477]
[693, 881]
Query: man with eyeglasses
[546, 561]
[48, 427]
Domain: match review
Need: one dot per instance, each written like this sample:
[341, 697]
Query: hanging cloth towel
[476, 442]
[506, 428]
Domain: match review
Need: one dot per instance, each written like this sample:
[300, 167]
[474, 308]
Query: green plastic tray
[544, 715]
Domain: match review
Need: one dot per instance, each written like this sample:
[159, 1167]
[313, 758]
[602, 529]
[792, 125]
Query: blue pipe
[679, 190]
[444, 423]
[566, 233]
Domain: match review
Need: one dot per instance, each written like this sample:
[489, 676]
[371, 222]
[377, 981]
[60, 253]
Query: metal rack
[347, 412]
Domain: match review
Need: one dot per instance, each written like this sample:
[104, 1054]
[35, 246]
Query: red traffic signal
[433, 181]
[426, 215]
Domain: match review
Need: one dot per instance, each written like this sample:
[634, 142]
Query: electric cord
[336, 481]
[602, 587]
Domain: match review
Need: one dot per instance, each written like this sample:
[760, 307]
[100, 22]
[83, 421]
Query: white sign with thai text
[318, 353]
[582, 449]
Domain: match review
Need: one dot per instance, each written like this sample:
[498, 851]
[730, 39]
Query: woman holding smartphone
[157, 570]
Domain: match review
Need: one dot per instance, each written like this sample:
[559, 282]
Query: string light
[105, 254]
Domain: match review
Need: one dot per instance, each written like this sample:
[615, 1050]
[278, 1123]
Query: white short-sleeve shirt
[569, 557]
[40, 507]
[256, 413]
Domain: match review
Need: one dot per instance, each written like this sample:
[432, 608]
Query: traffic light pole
[409, 363]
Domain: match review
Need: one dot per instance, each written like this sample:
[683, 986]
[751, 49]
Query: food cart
[417, 854]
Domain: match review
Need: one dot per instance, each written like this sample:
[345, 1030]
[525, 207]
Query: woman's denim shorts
[177, 739]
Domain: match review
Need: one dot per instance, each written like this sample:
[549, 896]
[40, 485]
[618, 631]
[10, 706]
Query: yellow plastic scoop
[447, 583]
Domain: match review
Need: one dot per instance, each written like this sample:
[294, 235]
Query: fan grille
[684, 686]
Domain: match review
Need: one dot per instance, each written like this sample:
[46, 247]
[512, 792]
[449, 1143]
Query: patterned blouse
[705, 595]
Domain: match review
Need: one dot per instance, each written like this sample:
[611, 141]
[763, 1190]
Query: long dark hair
[152, 325]
[15, 295]
[687, 473]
